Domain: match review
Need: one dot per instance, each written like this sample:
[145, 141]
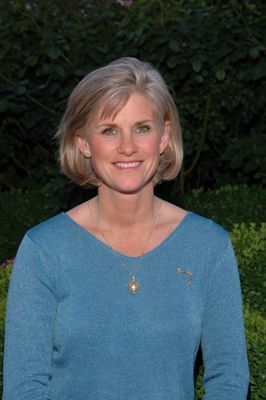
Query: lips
[127, 165]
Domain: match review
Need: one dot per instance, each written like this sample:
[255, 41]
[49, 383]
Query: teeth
[127, 164]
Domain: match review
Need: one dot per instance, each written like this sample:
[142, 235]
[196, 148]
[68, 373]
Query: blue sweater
[75, 332]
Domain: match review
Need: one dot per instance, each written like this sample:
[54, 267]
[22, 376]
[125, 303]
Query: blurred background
[212, 55]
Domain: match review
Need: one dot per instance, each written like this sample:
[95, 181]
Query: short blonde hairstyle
[107, 89]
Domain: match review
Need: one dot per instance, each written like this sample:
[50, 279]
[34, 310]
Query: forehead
[134, 103]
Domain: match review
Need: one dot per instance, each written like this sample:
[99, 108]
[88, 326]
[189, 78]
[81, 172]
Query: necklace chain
[133, 284]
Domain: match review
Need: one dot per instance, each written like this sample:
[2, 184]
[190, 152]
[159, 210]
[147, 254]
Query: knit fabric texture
[75, 332]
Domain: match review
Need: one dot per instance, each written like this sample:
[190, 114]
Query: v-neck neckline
[178, 228]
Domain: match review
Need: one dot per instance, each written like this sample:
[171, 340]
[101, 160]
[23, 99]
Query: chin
[130, 191]
[133, 188]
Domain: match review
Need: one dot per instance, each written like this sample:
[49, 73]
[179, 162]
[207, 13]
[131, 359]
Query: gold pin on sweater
[189, 274]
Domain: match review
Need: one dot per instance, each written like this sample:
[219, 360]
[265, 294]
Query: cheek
[153, 148]
[99, 150]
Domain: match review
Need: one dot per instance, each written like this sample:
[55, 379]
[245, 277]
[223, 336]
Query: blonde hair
[108, 89]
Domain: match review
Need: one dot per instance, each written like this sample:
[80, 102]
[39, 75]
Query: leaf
[196, 65]
[54, 53]
[80, 72]
[3, 105]
[254, 52]
[21, 90]
[259, 71]
[174, 45]
[31, 60]
[172, 62]
[220, 74]
[199, 78]
[60, 70]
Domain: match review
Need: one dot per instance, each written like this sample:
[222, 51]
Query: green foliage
[18, 212]
[249, 241]
[5, 273]
[229, 204]
[256, 346]
[211, 53]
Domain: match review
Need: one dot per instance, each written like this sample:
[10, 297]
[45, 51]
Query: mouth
[127, 164]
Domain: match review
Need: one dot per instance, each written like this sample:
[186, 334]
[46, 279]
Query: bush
[256, 345]
[249, 241]
[18, 212]
[229, 204]
[5, 273]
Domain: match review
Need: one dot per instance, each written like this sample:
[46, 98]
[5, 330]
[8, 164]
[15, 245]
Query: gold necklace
[133, 285]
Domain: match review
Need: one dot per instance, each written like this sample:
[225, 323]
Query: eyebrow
[145, 121]
[136, 124]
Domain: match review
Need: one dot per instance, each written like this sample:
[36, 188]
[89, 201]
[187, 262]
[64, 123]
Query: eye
[110, 131]
[143, 129]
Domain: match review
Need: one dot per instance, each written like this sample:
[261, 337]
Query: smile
[126, 165]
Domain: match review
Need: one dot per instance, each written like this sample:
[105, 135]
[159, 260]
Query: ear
[165, 136]
[83, 146]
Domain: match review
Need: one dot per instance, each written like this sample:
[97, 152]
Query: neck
[124, 210]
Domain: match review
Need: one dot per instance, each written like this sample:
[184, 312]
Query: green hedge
[249, 241]
[229, 204]
[18, 212]
[256, 345]
[5, 273]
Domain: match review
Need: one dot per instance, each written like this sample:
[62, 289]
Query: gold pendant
[133, 285]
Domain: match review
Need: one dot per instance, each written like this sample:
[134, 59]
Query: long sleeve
[31, 310]
[226, 375]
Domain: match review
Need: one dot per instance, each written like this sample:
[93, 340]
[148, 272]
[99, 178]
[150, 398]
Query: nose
[127, 145]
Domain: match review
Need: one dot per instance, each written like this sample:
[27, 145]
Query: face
[125, 149]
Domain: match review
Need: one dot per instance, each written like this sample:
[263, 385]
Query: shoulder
[206, 240]
[44, 245]
[209, 247]
[38, 250]
[51, 231]
[207, 232]
[198, 227]
[206, 226]
[197, 231]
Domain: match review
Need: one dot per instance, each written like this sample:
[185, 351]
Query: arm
[226, 375]
[31, 311]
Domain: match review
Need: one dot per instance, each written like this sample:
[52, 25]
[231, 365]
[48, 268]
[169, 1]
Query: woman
[113, 299]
